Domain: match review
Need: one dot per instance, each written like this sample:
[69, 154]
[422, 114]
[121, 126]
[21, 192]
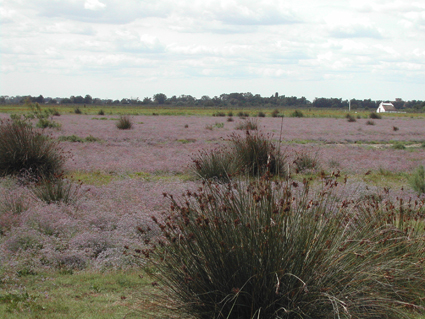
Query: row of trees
[224, 100]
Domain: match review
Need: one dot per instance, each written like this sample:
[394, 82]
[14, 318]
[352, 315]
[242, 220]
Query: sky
[137, 48]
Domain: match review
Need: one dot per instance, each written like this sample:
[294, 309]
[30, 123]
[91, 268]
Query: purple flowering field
[155, 157]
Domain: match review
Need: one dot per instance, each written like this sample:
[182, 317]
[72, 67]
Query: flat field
[124, 174]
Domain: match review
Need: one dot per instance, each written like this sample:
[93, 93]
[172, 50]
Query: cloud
[355, 31]
[94, 5]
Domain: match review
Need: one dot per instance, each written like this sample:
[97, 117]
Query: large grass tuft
[25, 151]
[281, 250]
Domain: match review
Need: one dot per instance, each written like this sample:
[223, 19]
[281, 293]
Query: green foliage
[124, 123]
[24, 151]
[77, 110]
[46, 123]
[350, 118]
[275, 113]
[101, 112]
[261, 114]
[297, 113]
[57, 189]
[375, 116]
[246, 125]
[219, 114]
[217, 164]
[370, 123]
[398, 146]
[417, 180]
[283, 250]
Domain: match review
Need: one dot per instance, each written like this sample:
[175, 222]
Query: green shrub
[297, 113]
[46, 123]
[350, 118]
[70, 138]
[398, 146]
[55, 190]
[219, 114]
[77, 110]
[282, 250]
[91, 138]
[370, 123]
[247, 125]
[124, 123]
[261, 114]
[417, 180]
[26, 152]
[275, 113]
[375, 116]
[101, 112]
[230, 114]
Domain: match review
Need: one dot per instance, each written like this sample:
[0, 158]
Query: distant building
[386, 108]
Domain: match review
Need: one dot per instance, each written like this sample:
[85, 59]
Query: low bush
[370, 123]
[124, 123]
[395, 128]
[230, 114]
[26, 152]
[284, 250]
[230, 119]
[350, 118]
[375, 116]
[70, 138]
[219, 114]
[398, 146]
[305, 161]
[57, 190]
[297, 113]
[46, 123]
[261, 114]
[417, 180]
[101, 112]
[247, 125]
[217, 164]
[77, 110]
[275, 113]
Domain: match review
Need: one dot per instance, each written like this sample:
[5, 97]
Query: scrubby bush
[375, 116]
[261, 114]
[297, 113]
[275, 113]
[417, 180]
[219, 114]
[249, 124]
[395, 128]
[350, 118]
[24, 151]
[217, 164]
[77, 110]
[398, 146]
[370, 123]
[124, 123]
[101, 112]
[283, 250]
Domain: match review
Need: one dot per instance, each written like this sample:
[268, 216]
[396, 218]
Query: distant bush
[230, 119]
[297, 113]
[370, 123]
[77, 110]
[375, 116]
[275, 113]
[26, 152]
[124, 123]
[230, 113]
[247, 125]
[417, 180]
[70, 138]
[398, 146]
[350, 118]
[217, 164]
[101, 112]
[243, 114]
[46, 123]
[219, 114]
[283, 250]
[395, 128]
[306, 161]
[261, 114]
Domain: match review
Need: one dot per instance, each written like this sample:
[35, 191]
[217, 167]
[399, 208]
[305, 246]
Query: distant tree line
[224, 100]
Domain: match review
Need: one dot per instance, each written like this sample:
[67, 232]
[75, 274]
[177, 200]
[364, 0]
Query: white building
[386, 107]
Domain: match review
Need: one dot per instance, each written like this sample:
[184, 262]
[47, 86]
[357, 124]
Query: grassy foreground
[88, 294]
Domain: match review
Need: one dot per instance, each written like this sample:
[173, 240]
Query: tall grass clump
[248, 124]
[25, 151]
[269, 250]
[252, 154]
[56, 190]
[124, 123]
[417, 180]
[306, 161]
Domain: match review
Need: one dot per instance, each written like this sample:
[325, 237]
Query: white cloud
[94, 5]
